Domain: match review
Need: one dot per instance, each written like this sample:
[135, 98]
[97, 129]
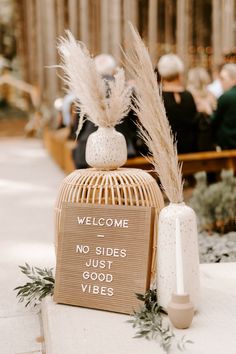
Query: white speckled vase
[106, 149]
[166, 256]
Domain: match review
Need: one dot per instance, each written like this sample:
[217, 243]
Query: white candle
[179, 259]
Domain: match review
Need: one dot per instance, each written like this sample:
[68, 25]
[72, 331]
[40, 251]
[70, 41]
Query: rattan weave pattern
[124, 186]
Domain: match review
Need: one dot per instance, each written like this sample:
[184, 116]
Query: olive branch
[41, 284]
[151, 323]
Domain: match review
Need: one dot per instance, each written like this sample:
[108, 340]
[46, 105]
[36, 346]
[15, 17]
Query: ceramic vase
[166, 253]
[106, 149]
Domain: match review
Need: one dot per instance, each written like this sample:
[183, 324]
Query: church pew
[210, 161]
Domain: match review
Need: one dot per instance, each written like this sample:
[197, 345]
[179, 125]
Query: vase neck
[108, 129]
[177, 204]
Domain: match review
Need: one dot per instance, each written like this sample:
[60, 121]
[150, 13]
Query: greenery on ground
[41, 285]
[151, 323]
[217, 248]
[215, 205]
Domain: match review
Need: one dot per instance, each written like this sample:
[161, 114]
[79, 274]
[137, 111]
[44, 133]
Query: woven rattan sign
[104, 256]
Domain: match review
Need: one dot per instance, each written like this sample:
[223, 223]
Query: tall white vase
[166, 253]
[106, 149]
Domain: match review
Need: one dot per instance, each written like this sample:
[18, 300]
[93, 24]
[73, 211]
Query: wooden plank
[104, 27]
[228, 25]
[138, 162]
[210, 161]
[50, 48]
[40, 47]
[73, 16]
[182, 30]
[95, 26]
[216, 32]
[69, 165]
[115, 27]
[152, 29]
[207, 155]
[60, 17]
[84, 22]
[54, 142]
[168, 24]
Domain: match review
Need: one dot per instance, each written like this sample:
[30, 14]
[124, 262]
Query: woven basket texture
[124, 186]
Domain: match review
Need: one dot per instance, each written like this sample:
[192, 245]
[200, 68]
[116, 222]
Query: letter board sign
[104, 256]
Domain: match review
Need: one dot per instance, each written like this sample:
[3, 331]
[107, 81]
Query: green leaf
[150, 322]
[41, 285]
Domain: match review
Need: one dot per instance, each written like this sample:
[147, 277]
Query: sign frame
[104, 256]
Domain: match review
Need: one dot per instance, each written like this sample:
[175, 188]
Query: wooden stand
[131, 187]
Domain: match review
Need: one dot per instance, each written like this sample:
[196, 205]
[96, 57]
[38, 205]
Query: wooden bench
[55, 142]
[69, 164]
[210, 161]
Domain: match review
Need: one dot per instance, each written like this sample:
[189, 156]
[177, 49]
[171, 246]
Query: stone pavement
[29, 182]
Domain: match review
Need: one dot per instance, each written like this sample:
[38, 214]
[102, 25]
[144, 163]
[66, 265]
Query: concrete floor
[29, 182]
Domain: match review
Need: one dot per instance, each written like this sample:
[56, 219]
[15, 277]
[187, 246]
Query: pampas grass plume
[155, 128]
[89, 88]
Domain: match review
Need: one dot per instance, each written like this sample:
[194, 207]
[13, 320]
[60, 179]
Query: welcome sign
[104, 256]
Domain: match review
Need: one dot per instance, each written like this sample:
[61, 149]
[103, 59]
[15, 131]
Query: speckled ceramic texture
[106, 149]
[166, 258]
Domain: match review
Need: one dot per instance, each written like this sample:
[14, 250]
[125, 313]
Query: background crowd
[200, 107]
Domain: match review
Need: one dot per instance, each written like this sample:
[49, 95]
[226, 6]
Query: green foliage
[41, 285]
[151, 323]
[215, 205]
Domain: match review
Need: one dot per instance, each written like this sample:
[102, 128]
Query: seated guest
[198, 79]
[197, 84]
[179, 104]
[66, 108]
[224, 118]
[215, 86]
[230, 56]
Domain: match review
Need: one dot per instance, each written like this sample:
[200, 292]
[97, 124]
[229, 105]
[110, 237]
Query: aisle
[29, 181]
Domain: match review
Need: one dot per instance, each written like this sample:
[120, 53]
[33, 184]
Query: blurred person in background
[58, 104]
[66, 117]
[105, 65]
[179, 103]
[67, 109]
[197, 83]
[215, 87]
[224, 118]
[230, 57]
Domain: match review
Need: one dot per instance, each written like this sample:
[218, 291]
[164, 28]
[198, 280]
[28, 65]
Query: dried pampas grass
[89, 88]
[155, 128]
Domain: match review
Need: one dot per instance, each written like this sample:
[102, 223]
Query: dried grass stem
[155, 129]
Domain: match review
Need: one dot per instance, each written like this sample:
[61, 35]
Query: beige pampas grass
[155, 129]
[89, 88]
